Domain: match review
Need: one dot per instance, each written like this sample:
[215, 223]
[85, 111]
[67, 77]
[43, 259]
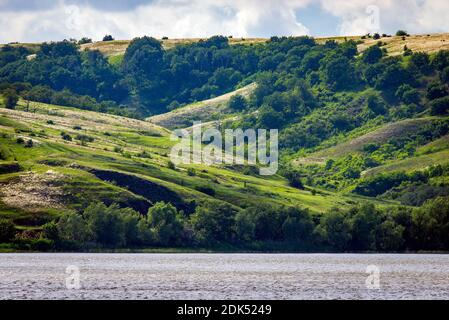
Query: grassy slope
[355, 143]
[57, 175]
[436, 152]
[205, 111]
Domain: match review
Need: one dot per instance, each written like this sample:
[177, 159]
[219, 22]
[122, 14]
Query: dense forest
[316, 94]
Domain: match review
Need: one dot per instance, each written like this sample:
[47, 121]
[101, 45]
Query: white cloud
[175, 18]
[59, 19]
[416, 16]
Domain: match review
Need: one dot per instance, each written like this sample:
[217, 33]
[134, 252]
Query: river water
[223, 276]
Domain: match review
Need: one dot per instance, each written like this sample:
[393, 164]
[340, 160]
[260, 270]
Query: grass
[355, 141]
[412, 164]
[204, 111]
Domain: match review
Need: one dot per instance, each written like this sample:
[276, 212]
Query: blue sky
[44, 20]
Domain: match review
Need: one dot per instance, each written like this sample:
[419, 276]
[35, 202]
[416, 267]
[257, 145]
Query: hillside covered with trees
[363, 143]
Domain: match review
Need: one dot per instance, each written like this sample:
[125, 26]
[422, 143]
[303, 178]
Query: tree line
[216, 225]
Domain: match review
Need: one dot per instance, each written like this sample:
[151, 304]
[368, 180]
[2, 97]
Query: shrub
[5, 154]
[213, 223]
[237, 102]
[84, 138]
[439, 106]
[166, 224]
[401, 33]
[10, 98]
[7, 230]
[206, 190]
[84, 41]
[108, 38]
[171, 165]
[29, 144]
[372, 55]
[66, 136]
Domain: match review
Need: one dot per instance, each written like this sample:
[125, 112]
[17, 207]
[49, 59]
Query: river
[224, 276]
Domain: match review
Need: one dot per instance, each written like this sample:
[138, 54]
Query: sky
[47, 20]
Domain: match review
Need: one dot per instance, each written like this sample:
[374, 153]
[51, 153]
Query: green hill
[126, 162]
[85, 144]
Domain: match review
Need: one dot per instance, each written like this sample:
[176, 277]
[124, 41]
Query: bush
[294, 179]
[237, 102]
[439, 106]
[84, 41]
[5, 154]
[10, 98]
[372, 55]
[213, 223]
[66, 136]
[206, 190]
[431, 225]
[335, 230]
[401, 33]
[166, 224]
[108, 38]
[7, 230]
[29, 144]
[84, 138]
[171, 165]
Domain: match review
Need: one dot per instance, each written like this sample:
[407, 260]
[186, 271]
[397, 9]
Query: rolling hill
[122, 160]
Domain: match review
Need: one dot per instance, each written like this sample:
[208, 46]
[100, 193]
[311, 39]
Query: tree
[376, 36]
[298, 225]
[85, 40]
[108, 38]
[50, 231]
[408, 94]
[364, 221]
[245, 226]
[212, 223]
[431, 224]
[166, 224]
[335, 230]
[105, 224]
[376, 104]
[372, 55]
[339, 72]
[72, 227]
[441, 60]
[10, 98]
[237, 102]
[401, 33]
[420, 61]
[435, 91]
[439, 106]
[294, 179]
[394, 76]
[390, 236]
[7, 230]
